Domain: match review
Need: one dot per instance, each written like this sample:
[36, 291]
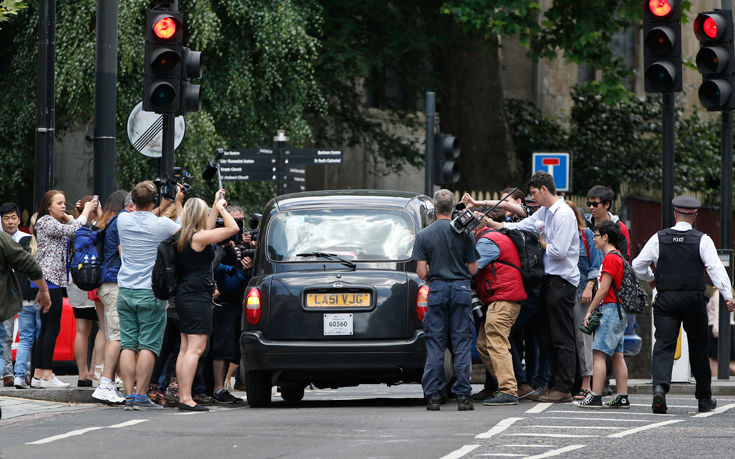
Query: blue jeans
[449, 317]
[29, 324]
[3, 333]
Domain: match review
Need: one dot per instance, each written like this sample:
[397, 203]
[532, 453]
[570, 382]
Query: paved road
[372, 422]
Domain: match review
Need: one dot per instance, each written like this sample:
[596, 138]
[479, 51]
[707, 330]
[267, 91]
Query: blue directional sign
[559, 165]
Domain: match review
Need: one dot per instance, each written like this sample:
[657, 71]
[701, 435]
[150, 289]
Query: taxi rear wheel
[292, 394]
[258, 385]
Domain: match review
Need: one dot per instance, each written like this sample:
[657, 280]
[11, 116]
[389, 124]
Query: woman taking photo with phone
[53, 229]
[196, 287]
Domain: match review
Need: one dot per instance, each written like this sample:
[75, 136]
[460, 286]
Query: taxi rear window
[353, 234]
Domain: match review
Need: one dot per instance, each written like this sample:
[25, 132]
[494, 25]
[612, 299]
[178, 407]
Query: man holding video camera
[446, 259]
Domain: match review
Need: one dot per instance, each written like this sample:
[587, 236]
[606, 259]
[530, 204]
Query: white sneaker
[58, 383]
[53, 383]
[36, 383]
[20, 383]
[107, 394]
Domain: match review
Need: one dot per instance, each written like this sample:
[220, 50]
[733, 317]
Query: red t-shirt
[613, 265]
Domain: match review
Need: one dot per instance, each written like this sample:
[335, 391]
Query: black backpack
[531, 254]
[631, 295]
[164, 277]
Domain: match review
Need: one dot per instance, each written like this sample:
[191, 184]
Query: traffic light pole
[723, 340]
[166, 163]
[105, 97]
[667, 161]
[45, 106]
[429, 157]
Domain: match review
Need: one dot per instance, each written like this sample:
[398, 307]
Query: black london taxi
[335, 300]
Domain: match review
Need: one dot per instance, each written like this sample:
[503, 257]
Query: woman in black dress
[196, 286]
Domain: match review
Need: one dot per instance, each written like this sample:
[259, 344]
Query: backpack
[164, 277]
[86, 257]
[631, 295]
[531, 254]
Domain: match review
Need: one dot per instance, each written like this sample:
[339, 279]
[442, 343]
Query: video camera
[464, 221]
[167, 186]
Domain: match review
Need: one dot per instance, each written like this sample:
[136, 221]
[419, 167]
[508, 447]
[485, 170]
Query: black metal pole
[45, 106]
[667, 163]
[166, 163]
[105, 98]
[723, 340]
[430, 114]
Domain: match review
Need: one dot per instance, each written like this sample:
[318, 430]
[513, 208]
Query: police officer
[681, 255]
[447, 259]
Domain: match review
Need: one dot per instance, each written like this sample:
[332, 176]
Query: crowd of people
[568, 326]
[147, 353]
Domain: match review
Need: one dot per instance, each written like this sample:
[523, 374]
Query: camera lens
[478, 308]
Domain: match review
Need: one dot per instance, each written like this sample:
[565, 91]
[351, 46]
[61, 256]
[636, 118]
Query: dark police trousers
[449, 317]
[670, 310]
[556, 330]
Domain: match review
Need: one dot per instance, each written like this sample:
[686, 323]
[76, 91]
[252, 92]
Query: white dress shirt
[707, 252]
[562, 237]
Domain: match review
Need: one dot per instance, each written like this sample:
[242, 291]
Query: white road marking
[608, 411]
[549, 435]
[719, 410]
[461, 452]
[540, 407]
[502, 455]
[556, 452]
[642, 428]
[575, 427]
[527, 446]
[593, 419]
[78, 432]
[648, 405]
[499, 427]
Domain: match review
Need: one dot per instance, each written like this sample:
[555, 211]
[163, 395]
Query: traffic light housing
[662, 45]
[169, 66]
[715, 60]
[447, 150]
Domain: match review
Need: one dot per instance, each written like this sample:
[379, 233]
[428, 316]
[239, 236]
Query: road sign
[559, 165]
[294, 179]
[145, 131]
[312, 156]
[248, 165]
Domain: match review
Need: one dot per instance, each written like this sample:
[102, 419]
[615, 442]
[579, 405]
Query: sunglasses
[593, 204]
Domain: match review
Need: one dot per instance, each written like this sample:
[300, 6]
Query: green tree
[9, 8]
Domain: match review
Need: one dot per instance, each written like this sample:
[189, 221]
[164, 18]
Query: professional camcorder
[167, 186]
[464, 221]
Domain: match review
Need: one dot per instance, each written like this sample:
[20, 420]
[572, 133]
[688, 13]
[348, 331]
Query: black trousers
[42, 355]
[670, 310]
[556, 331]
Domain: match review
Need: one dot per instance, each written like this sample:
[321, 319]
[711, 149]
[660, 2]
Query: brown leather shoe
[555, 396]
[8, 381]
[524, 390]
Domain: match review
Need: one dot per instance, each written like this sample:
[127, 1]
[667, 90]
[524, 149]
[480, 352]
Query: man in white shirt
[560, 241]
[681, 255]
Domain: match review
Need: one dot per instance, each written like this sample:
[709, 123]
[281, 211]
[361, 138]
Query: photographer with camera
[447, 259]
[231, 280]
[499, 286]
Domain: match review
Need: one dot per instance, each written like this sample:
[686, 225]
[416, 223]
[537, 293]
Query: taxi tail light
[252, 306]
[422, 302]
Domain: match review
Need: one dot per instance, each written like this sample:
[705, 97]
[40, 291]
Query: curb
[51, 395]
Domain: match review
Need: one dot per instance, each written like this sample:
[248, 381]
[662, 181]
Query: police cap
[685, 204]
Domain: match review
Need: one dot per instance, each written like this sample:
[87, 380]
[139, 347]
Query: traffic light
[662, 45]
[714, 30]
[446, 156]
[168, 66]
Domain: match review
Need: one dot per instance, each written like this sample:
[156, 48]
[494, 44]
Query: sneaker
[524, 390]
[500, 399]
[130, 403]
[483, 394]
[36, 383]
[433, 403]
[582, 394]
[20, 383]
[618, 401]
[203, 399]
[196, 407]
[58, 382]
[707, 404]
[53, 383]
[534, 396]
[223, 397]
[107, 394]
[146, 404]
[464, 403]
[658, 405]
[555, 396]
[590, 401]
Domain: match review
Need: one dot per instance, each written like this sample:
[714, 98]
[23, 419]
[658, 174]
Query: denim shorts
[609, 335]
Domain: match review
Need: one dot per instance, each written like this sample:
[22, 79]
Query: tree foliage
[9, 8]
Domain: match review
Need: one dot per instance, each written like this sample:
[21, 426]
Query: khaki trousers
[494, 347]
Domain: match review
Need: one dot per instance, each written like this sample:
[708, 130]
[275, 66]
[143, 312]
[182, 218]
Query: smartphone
[95, 198]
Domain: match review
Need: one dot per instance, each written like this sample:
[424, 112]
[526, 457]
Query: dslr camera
[479, 309]
[167, 186]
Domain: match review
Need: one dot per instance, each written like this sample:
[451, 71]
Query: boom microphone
[213, 165]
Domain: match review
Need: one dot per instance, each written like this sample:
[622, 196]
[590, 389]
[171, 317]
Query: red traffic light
[659, 8]
[165, 28]
[710, 26]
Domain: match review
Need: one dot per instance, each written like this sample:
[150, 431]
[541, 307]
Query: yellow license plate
[338, 300]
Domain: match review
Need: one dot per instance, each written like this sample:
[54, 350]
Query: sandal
[582, 394]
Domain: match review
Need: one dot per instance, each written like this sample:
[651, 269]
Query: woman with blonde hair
[196, 286]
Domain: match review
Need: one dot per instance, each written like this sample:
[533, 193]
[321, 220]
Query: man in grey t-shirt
[142, 315]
